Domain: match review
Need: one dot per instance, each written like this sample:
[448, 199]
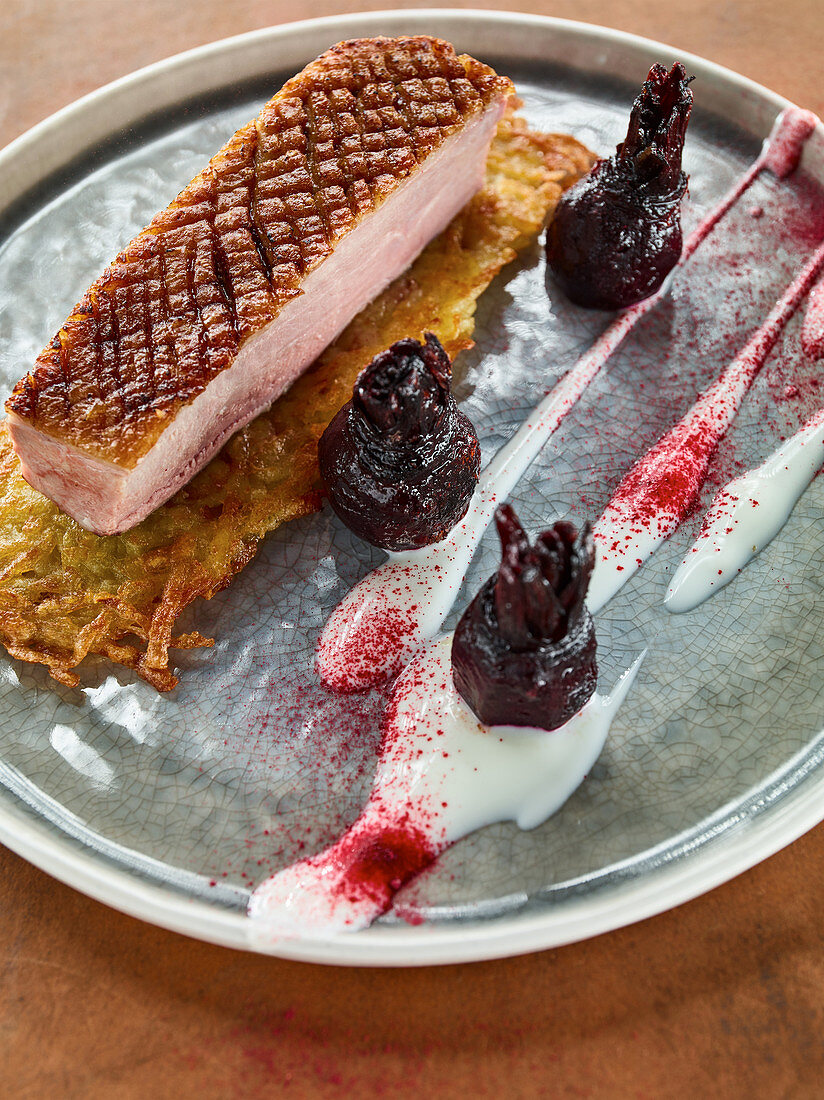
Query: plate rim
[606, 909]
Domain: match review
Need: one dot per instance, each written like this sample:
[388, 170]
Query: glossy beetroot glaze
[524, 650]
[616, 235]
[400, 461]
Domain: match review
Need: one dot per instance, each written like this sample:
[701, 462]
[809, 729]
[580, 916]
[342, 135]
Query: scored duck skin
[231, 292]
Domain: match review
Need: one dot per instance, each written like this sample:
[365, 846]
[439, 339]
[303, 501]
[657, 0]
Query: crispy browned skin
[66, 593]
[222, 260]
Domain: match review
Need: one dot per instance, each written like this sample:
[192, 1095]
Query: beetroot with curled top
[616, 235]
[523, 653]
[400, 461]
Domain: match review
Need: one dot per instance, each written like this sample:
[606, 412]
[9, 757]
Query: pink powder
[812, 331]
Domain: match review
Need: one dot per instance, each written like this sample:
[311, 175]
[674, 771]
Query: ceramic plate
[170, 807]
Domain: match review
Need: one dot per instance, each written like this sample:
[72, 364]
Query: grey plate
[171, 807]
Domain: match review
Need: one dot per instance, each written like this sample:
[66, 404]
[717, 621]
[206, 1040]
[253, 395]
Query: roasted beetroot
[616, 235]
[524, 650]
[400, 461]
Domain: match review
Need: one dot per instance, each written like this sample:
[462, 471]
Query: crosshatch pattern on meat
[219, 263]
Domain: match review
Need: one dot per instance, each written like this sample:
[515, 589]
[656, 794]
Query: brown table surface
[723, 996]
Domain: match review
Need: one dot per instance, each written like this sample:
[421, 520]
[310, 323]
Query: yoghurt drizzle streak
[745, 516]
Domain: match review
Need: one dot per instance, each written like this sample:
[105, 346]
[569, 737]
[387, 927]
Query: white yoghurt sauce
[745, 516]
[445, 774]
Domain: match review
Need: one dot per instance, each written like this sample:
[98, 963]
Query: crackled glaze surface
[250, 765]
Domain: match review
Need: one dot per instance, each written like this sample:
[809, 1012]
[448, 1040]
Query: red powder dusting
[784, 153]
[812, 331]
[383, 638]
[355, 880]
[662, 487]
[379, 862]
[781, 155]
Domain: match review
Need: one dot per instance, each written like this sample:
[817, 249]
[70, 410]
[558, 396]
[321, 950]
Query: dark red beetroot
[616, 235]
[400, 461]
[524, 651]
